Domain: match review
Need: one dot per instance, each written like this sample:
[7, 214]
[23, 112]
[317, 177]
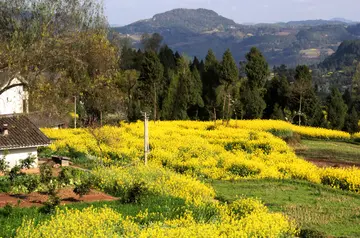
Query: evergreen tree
[210, 80]
[351, 121]
[181, 94]
[336, 110]
[229, 74]
[277, 113]
[257, 72]
[277, 92]
[257, 69]
[150, 80]
[196, 101]
[253, 103]
[347, 98]
[195, 64]
[167, 58]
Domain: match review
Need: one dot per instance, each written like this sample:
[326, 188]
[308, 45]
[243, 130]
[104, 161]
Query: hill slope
[193, 32]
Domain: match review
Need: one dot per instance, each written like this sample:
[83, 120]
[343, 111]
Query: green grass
[329, 150]
[315, 207]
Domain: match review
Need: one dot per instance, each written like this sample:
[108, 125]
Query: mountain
[198, 21]
[195, 31]
[340, 19]
[347, 53]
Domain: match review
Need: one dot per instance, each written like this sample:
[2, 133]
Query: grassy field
[314, 207]
[329, 151]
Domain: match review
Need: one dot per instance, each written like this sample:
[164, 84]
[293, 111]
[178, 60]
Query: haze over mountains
[194, 31]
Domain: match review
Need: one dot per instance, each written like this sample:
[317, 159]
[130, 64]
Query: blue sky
[124, 12]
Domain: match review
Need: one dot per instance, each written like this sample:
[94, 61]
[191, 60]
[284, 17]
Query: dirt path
[67, 196]
[324, 163]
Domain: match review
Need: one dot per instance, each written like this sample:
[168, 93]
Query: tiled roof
[21, 133]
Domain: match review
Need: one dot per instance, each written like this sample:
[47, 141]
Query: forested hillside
[193, 32]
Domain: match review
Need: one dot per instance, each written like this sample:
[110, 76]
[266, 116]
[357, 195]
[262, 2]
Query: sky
[123, 12]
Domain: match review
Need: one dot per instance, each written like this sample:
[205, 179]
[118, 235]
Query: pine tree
[196, 101]
[277, 92]
[336, 110]
[351, 121]
[150, 79]
[210, 80]
[229, 74]
[278, 113]
[257, 72]
[257, 69]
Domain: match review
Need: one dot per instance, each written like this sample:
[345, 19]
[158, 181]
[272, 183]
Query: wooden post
[146, 139]
[75, 112]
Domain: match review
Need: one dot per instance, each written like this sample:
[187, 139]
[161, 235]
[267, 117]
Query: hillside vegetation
[193, 32]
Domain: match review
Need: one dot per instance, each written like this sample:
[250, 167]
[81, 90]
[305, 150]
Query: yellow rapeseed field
[246, 218]
[181, 153]
[201, 150]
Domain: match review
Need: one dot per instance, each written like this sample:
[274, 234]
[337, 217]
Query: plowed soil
[37, 199]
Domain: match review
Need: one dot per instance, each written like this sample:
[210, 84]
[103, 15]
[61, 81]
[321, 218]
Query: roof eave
[23, 147]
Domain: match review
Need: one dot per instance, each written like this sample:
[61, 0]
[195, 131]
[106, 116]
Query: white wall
[14, 156]
[11, 101]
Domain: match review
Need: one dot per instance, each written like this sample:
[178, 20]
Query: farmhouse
[19, 139]
[13, 94]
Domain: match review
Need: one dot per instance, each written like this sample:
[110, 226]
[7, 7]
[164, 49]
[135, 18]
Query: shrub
[247, 206]
[46, 173]
[84, 187]
[243, 170]
[282, 133]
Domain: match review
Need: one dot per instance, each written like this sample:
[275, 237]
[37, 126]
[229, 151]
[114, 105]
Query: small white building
[13, 94]
[19, 139]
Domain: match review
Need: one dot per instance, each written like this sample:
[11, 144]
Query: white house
[13, 94]
[19, 139]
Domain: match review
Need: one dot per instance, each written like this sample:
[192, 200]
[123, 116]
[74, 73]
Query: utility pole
[146, 138]
[75, 112]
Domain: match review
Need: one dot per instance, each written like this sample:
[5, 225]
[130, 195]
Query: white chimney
[5, 130]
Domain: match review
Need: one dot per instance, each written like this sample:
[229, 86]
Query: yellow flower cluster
[356, 136]
[74, 223]
[199, 149]
[309, 132]
[153, 179]
[255, 221]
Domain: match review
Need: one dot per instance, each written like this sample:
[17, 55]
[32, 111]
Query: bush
[84, 187]
[5, 184]
[135, 192]
[247, 206]
[243, 170]
[309, 233]
[282, 133]
[45, 173]
[24, 184]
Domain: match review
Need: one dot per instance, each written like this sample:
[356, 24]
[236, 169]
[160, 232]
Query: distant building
[13, 94]
[19, 139]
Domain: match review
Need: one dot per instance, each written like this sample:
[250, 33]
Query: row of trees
[64, 49]
[173, 87]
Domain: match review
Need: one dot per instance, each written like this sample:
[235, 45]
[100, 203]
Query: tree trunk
[300, 110]
[215, 116]
[223, 109]
[228, 110]
[155, 103]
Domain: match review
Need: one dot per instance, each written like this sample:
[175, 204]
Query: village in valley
[186, 124]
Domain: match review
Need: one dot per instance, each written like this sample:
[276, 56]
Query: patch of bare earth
[325, 163]
[38, 199]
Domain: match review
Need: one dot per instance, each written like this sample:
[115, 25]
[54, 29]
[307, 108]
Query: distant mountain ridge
[194, 31]
[195, 20]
